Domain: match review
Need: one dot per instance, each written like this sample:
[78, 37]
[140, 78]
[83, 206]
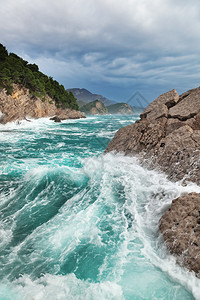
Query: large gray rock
[159, 107]
[187, 108]
[168, 137]
[180, 226]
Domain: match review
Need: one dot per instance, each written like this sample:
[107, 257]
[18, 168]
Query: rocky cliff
[21, 105]
[168, 137]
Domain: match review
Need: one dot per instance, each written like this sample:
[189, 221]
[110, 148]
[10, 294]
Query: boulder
[187, 108]
[159, 107]
[180, 227]
[56, 119]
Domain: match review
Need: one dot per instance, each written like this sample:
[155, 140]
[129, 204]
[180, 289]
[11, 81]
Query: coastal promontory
[21, 105]
[167, 137]
[25, 92]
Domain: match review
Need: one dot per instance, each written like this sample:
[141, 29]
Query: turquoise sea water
[77, 224]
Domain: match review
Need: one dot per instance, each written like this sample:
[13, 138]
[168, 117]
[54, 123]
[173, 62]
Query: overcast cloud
[111, 47]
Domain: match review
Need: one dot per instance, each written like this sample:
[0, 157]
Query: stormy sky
[111, 47]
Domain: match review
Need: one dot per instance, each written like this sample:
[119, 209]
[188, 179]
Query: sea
[76, 224]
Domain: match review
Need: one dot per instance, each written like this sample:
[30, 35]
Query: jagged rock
[138, 138]
[21, 105]
[187, 108]
[164, 138]
[168, 136]
[159, 107]
[180, 227]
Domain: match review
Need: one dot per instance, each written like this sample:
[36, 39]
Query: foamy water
[77, 224]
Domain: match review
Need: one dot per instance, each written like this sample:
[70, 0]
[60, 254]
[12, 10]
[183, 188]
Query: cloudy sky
[111, 47]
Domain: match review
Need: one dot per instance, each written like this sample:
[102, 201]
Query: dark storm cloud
[116, 46]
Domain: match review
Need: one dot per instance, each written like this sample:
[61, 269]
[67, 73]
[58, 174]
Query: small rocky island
[167, 137]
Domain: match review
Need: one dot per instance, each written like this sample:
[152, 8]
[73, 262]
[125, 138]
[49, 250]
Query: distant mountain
[84, 96]
[120, 108]
[87, 96]
[94, 108]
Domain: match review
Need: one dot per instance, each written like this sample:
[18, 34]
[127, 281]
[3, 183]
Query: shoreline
[167, 137]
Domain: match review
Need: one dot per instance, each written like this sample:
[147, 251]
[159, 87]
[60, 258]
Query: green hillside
[81, 103]
[14, 69]
[120, 108]
[94, 107]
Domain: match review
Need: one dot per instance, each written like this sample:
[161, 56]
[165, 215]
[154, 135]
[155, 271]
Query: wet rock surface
[180, 226]
[167, 137]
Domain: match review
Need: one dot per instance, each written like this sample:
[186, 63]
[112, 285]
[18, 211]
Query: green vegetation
[13, 69]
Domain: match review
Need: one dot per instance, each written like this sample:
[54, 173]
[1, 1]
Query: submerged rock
[56, 119]
[168, 137]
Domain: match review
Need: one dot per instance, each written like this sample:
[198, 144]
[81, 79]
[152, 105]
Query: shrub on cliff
[14, 69]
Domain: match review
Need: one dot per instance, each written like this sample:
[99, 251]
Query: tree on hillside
[14, 69]
[3, 53]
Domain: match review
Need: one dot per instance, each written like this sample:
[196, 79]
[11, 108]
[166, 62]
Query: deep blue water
[77, 224]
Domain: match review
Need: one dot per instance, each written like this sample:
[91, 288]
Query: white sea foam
[113, 212]
[148, 195]
[5, 234]
[50, 287]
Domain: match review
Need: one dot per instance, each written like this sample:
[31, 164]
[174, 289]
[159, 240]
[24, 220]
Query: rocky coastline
[21, 105]
[167, 137]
